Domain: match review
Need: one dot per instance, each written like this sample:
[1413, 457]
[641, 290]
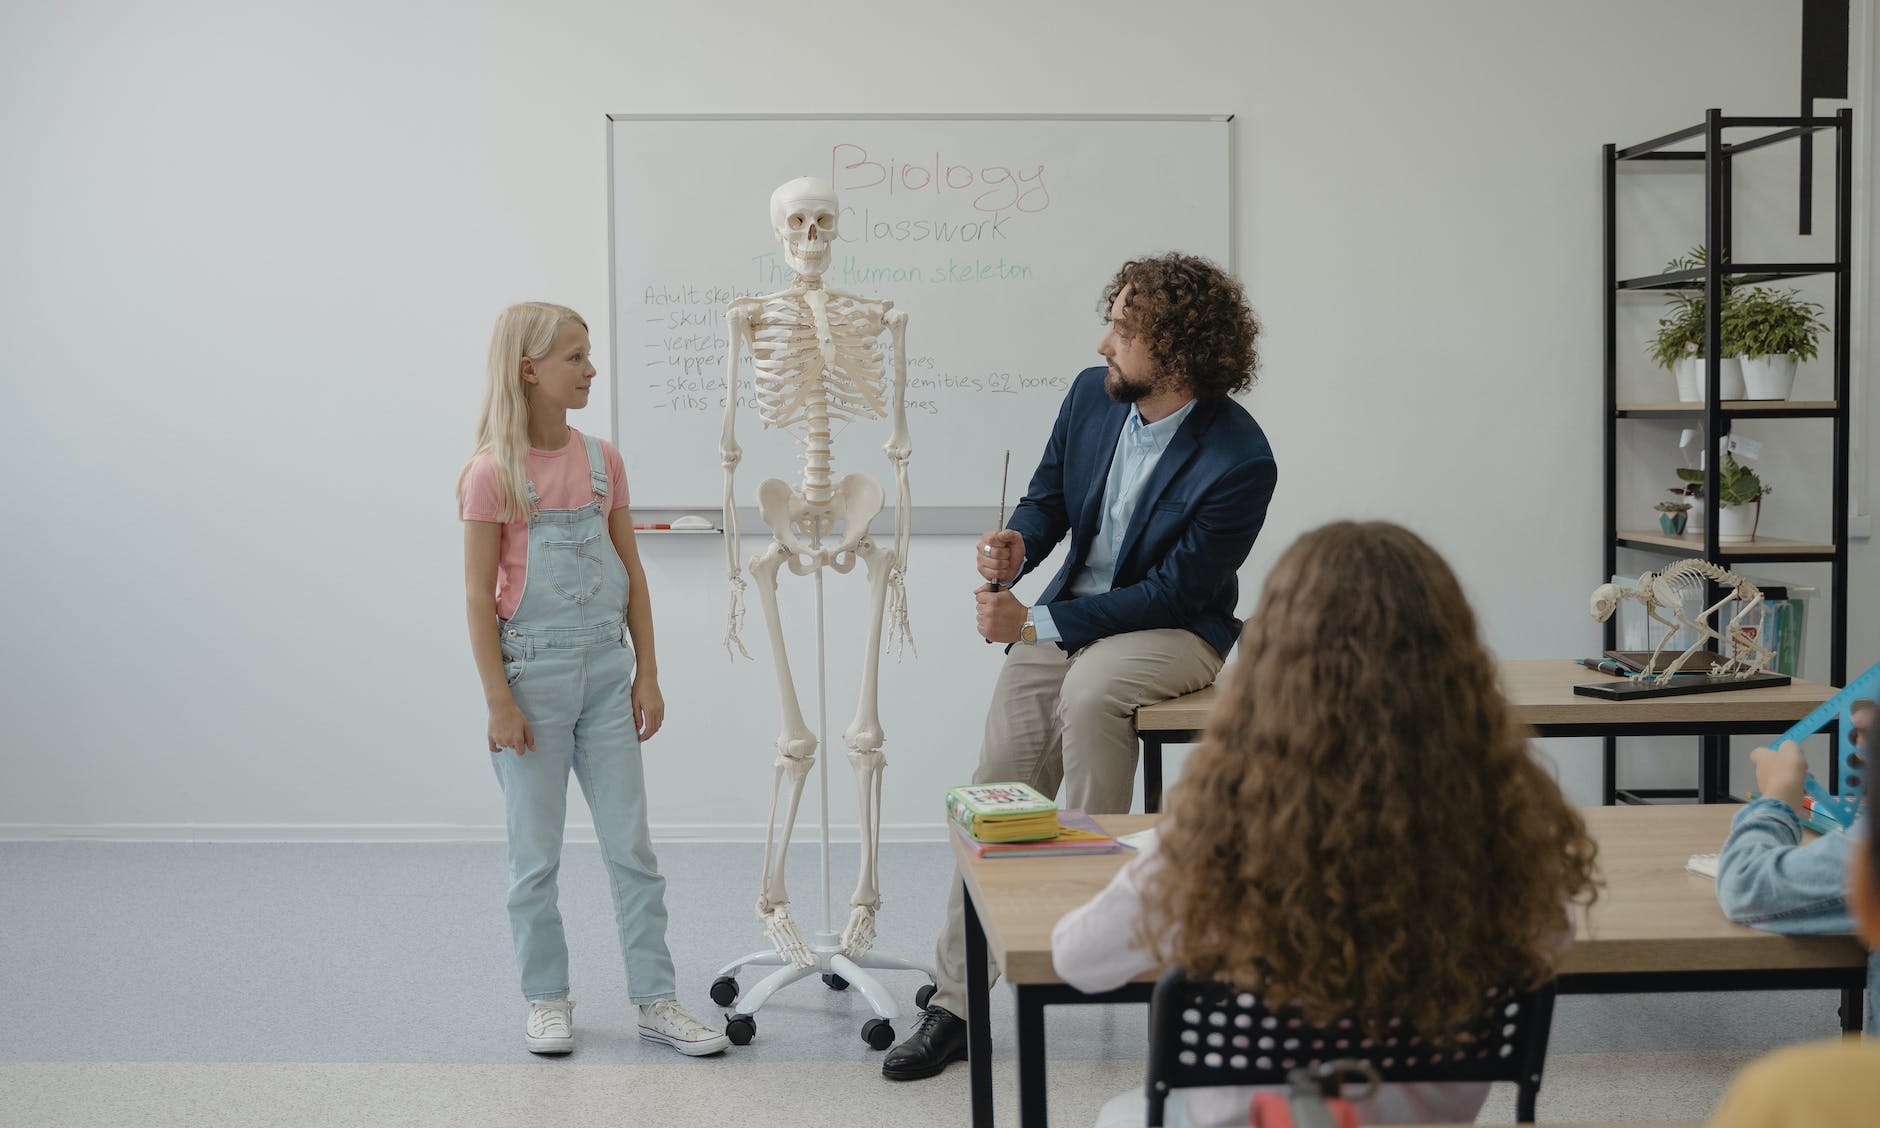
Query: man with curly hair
[1161, 480]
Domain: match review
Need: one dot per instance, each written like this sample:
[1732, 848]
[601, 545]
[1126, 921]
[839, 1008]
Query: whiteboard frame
[939, 520]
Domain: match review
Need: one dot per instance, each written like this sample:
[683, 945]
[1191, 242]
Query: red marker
[661, 525]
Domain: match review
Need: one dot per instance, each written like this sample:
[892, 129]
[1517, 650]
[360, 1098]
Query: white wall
[251, 253]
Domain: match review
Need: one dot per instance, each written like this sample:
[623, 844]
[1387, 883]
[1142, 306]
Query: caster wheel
[877, 1033]
[835, 982]
[724, 990]
[740, 1028]
[924, 996]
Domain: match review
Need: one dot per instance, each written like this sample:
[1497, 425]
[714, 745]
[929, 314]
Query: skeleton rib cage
[792, 380]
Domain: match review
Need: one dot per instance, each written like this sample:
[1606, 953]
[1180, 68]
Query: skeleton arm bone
[900, 449]
[730, 454]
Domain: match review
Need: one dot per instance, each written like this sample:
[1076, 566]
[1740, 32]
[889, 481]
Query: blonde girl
[561, 628]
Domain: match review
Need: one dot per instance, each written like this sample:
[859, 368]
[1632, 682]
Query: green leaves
[1773, 323]
[1761, 322]
[1737, 484]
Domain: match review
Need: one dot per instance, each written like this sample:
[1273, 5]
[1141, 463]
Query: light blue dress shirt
[1138, 448]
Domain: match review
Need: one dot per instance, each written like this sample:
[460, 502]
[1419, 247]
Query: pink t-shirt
[561, 479]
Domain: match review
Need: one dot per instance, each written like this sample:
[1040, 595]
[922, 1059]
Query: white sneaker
[551, 1027]
[666, 1021]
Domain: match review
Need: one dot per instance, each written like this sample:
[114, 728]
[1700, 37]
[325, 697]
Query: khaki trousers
[1065, 722]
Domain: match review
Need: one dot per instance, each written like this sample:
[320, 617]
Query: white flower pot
[1690, 375]
[1736, 524]
[1689, 372]
[1769, 377]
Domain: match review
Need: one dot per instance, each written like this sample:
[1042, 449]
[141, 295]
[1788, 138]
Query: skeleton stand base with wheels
[818, 362]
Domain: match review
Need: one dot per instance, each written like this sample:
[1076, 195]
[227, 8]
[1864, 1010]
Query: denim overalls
[569, 664]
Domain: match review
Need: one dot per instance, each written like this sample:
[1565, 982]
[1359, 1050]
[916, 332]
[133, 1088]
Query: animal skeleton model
[818, 362]
[1666, 590]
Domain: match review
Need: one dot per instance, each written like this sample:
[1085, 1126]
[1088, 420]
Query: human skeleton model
[1665, 590]
[818, 362]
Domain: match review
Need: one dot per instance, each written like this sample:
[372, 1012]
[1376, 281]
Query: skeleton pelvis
[799, 524]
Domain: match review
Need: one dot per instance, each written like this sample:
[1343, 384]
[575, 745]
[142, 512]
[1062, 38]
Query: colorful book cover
[991, 800]
[1003, 812]
[1078, 833]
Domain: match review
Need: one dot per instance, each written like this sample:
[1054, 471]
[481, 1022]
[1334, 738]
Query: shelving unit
[1716, 415]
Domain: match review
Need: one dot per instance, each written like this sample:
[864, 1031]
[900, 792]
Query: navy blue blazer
[1194, 524]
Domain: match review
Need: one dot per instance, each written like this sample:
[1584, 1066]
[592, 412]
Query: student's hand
[510, 729]
[1000, 614]
[649, 708]
[1780, 771]
[999, 554]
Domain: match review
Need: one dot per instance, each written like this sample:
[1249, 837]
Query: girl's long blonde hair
[526, 329]
[1363, 830]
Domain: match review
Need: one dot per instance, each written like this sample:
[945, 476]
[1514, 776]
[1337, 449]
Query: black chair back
[1210, 1033]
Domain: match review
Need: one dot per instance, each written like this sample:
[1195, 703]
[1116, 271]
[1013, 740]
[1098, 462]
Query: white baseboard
[580, 833]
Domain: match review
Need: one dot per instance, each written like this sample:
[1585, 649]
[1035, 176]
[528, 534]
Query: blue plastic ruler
[1842, 808]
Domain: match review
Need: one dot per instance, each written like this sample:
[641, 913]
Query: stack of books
[1005, 820]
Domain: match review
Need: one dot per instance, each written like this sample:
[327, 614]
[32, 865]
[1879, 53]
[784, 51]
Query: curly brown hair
[1196, 319]
[1363, 830]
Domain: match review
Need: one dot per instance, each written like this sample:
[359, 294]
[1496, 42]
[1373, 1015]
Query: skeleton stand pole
[822, 761]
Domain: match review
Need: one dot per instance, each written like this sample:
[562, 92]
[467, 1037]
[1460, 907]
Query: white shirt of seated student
[1093, 949]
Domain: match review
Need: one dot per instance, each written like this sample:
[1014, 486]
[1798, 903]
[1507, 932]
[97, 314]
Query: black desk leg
[978, 1018]
[1031, 1092]
[1609, 774]
[1715, 762]
[1151, 773]
[1852, 999]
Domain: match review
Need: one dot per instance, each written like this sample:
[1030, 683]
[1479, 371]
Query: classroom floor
[210, 985]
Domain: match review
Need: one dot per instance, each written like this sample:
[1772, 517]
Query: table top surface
[1541, 690]
[1653, 915]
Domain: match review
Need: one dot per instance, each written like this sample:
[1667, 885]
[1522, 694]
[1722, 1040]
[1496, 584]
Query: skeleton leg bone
[1755, 655]
[796, 747]
[864, 739]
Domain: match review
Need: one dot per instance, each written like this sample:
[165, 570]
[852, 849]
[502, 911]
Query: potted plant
[1673, 516]
[1739, 498]
[1771, 330]
[1679, 345]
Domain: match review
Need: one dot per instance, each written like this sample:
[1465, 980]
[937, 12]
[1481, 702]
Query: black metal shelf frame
[1697, 409]
[1713, 159]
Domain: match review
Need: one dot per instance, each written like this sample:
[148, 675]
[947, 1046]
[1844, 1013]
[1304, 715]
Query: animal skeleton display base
[817, 359]
[1666, 590]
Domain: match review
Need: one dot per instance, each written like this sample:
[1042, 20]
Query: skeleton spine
[817, 455]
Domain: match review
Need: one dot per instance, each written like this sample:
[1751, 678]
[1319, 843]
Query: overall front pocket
[575, 567]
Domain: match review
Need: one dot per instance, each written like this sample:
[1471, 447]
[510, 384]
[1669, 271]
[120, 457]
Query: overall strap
[597, 468]
[535, 501]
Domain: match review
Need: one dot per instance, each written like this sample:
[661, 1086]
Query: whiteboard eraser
[692, 521]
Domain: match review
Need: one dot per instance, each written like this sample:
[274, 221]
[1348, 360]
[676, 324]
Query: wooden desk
[1541, 690]
[1656, 928]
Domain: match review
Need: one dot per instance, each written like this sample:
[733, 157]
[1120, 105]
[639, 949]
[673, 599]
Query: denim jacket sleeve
[1769, 879]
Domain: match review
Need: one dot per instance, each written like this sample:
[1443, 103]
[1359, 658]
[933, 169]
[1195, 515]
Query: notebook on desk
[1078, 833]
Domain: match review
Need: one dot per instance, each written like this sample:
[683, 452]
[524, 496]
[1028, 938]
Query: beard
[1124, 388]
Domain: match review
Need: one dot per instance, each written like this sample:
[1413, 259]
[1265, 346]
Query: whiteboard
[996, 235]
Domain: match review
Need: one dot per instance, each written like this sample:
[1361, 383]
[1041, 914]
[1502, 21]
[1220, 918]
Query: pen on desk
[659, 525]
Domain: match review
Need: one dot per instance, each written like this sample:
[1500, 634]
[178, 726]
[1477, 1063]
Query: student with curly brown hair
[1161, 481]
[1362, 832]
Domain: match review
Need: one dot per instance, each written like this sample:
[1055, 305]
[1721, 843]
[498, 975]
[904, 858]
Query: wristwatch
[1029, 632]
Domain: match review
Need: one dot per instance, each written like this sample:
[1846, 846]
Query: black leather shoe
[939, 1038]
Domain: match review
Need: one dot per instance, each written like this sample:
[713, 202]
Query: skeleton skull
[803, 214]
